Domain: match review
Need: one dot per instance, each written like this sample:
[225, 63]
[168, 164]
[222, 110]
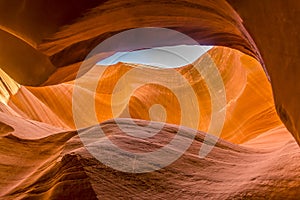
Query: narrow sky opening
[162, 57]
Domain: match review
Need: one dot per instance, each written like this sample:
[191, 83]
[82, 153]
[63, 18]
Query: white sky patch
[163, 57]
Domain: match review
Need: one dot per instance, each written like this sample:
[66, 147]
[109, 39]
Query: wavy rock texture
[55, 165]
[36, 51]
[278, 46]
[73, 33]
[240, 73]
[41, 154]
[63, 169]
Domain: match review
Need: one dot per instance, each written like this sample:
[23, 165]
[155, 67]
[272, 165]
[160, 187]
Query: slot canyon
[222, 123]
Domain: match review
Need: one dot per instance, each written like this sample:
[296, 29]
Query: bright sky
[164, 57]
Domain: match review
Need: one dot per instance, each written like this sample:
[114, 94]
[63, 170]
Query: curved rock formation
[64, 169]
[55, 173]
[277, 45]
[241, 75]
[41, 154]
[55, 41]
[214, 23]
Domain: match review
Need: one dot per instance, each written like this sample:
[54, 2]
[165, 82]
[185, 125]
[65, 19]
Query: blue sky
[164, 57]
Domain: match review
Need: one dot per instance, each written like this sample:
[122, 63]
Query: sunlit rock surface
[41, 154]
[245, 83]
[38, 123]
[34, 49]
